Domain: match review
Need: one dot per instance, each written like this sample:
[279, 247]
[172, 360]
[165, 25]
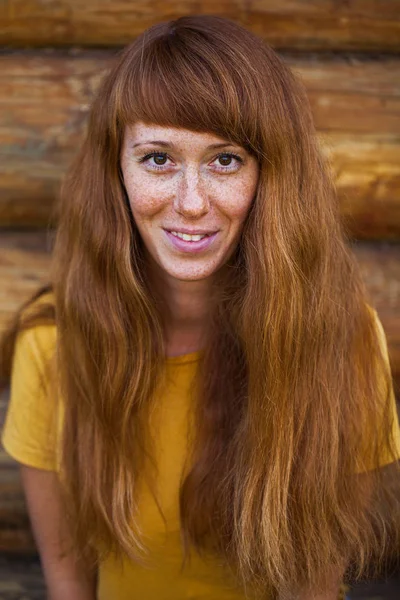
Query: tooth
[189, 238]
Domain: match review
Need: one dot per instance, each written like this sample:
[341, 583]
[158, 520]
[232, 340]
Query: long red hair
[293, 386]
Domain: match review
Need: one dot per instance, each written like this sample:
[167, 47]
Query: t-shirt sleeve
[386, 457]
[29, 433]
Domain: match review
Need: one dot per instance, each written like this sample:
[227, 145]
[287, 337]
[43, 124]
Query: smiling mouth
[196, 237]
[198, 241]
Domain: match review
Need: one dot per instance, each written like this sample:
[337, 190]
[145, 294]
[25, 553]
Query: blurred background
[54, 54]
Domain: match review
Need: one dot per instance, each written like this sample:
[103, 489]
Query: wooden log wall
[54, 55]
[364, 25]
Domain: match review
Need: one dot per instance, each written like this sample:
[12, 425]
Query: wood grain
[24, 267]
[306, 24]
[367, 175]
[45, 99]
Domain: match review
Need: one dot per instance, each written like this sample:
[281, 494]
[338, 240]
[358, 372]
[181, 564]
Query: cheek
[146, 198]
[236, 200]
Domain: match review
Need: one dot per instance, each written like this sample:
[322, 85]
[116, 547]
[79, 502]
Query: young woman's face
[189, 193]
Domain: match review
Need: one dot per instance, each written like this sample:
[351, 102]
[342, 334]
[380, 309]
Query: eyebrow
[165, 144]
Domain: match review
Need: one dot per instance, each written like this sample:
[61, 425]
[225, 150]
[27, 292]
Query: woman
[201, 398]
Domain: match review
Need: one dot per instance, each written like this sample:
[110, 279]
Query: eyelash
[161, 167]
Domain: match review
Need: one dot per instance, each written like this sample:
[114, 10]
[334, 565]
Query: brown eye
[160, 159]
[225, 159]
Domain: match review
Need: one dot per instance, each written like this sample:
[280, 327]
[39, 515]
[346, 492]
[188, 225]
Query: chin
[191, 274]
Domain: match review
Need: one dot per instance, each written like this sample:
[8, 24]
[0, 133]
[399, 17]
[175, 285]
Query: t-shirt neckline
[183, 358]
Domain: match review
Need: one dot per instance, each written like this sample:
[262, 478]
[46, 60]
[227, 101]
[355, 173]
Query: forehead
[141, 133]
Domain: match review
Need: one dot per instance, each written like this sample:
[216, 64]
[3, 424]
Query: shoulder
[30, 427]
[36, 339]
[38, 305]
[380, 331]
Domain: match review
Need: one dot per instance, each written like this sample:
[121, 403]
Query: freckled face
[189, 193]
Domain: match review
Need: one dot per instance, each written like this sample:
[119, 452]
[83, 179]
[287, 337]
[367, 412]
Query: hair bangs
[175, 86]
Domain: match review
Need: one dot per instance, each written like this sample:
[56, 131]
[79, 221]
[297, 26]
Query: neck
[185, 309]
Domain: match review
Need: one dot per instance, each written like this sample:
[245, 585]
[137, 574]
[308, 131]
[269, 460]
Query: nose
[191, 199]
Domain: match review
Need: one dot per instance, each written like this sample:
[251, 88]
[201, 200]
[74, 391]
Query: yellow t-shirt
[30, 436]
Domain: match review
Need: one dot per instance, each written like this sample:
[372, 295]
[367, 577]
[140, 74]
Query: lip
[190, 247]
[189, 231]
